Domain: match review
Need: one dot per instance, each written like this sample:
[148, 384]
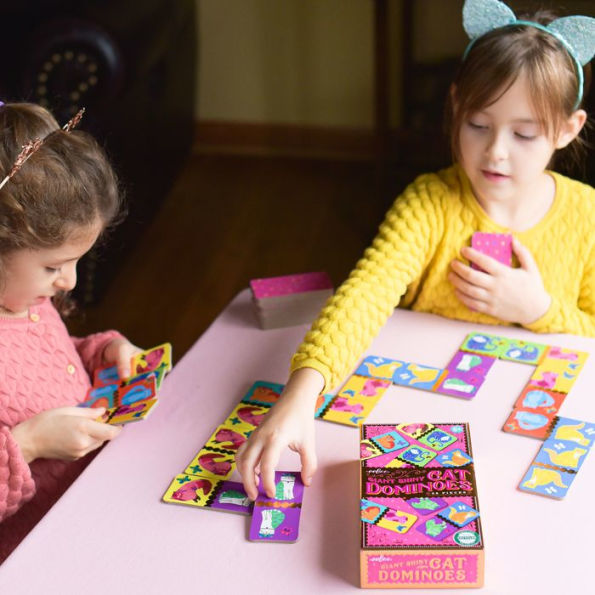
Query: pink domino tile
[289, 284]
[496, 245]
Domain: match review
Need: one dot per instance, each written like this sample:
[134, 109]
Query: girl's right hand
[67, 433]
[290, 423]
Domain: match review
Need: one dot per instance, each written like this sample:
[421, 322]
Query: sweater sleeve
[16, 483]
[400, 252]
[576, 318]
[90, 348]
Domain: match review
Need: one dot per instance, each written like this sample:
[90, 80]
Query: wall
[310, 63]
[303, 62]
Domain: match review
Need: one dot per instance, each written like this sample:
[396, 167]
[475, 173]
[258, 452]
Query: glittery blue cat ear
[575, 33]
[481, 16]
[579, 34]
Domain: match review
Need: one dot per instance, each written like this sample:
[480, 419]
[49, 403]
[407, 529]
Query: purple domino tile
[231, 497]
[278, 519]
[274, 524]
[472, 364]
[465, 373]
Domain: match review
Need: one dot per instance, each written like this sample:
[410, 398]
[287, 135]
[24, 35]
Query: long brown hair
[67, 184]
[494, 63]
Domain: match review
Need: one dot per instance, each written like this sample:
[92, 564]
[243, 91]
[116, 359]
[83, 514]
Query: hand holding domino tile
[491, 286]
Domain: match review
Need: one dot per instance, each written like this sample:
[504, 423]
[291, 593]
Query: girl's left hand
[119, 351]
[514, 295]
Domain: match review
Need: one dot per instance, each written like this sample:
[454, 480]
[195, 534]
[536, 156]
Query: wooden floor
[229, 219]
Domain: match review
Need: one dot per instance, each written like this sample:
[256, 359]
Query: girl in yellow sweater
[515, 104]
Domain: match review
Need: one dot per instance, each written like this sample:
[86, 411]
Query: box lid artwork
[420, 519]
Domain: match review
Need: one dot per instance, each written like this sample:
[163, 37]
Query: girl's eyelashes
[52, 269]
[519, 135]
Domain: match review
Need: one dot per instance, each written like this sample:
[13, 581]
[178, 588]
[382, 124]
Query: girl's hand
[514, 295]
[289, 423]
[119, 351]
[67, 433]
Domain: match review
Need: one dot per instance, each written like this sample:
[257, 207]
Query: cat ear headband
[29, 148]
[575, 33]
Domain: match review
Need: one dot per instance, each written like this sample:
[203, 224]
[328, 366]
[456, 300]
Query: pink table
[110, 533]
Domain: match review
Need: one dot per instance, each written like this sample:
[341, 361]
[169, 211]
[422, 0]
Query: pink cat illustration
[251, 415]
[557, 353]
[393, 515]
[371, 387]
[150, 361]
[215, 463]
[229, 439]
[548, 380]
[342, 404]
[189, 491]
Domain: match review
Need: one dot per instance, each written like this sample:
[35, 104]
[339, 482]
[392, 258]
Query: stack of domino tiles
[205, 482]
[290, 300]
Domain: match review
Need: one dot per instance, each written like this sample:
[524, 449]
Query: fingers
[467, 289]
[88, 447]
[473, 304]
[88, 436]
[100, 431]
[128, 351]
[465, 281]
[120, 352]
[525, 258]
[470, 285]
[125, 354]
[123, 368]
[483, 261]
[268, 462]
[309, 462]
[246, 460]
[90, 412]
[255, 458]
[471, 276]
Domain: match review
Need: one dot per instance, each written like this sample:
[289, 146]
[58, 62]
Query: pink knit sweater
[41, 367]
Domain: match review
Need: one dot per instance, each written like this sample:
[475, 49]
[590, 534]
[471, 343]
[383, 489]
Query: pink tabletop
[110, 532]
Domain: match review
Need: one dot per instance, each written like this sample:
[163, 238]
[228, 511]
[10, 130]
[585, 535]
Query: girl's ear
[571, 128]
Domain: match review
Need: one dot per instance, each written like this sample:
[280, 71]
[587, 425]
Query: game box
[420, 520]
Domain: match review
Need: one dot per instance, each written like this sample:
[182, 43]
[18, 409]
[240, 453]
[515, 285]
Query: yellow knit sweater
[408, 262]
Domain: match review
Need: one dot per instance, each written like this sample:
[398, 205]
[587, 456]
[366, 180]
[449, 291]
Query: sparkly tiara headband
[576, 33]
[29, 148]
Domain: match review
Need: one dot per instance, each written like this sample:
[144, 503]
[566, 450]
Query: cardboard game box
[291, 299]
[420, 522]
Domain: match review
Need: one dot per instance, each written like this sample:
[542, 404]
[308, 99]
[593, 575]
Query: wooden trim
[321, 142]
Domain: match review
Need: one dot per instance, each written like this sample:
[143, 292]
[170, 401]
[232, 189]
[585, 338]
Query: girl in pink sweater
[57, 195]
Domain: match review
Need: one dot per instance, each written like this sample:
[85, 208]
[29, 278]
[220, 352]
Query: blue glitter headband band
[575, 33]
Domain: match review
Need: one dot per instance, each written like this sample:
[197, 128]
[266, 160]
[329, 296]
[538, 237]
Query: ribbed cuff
[316, 365]
[16, 483]
[545, 323]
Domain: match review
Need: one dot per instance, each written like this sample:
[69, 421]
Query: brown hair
[67, 184]
[494, 63]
